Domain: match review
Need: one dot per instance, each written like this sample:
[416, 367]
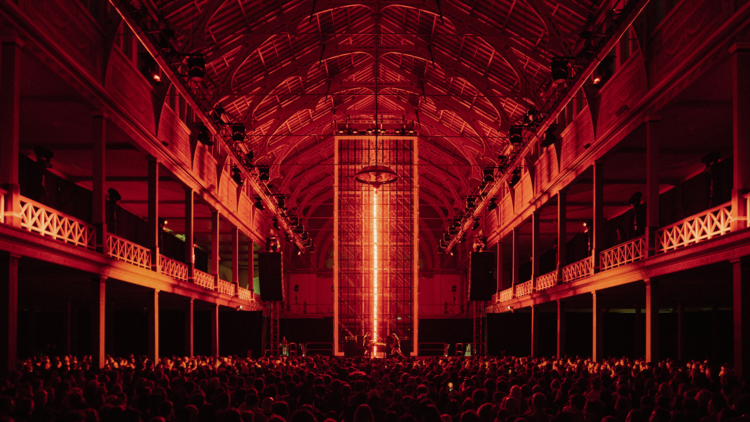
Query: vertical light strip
[375, 270]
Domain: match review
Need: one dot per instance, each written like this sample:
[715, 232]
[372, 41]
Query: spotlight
[602, 73]
[289, 238]
[238, 133]
[281, 200]
[204, 136]
[354, 132]
[259, 203]
[237, 176]
[516, 134]
[549, 136]
[559, 70]
[515, 177]
[411, 132]
[299, 229]
[294, 221]
[510, 308]
[369, 131]
[299, 252]
[342, 131]
[475, 225]
[249, 157]
[264, 174]
[44, 157]
[114, 196]
[196, 68]
[493, 204]
[149, 69]
[276, 224]
[708, 159]
[489, 175]
[502, 158]
[446, 237]
[587, 225]
[217, 115]
[239, 307]
[451, 253]
[397, 131]
[530, 117]
[635, 199]
[305, 236]
[471, 202]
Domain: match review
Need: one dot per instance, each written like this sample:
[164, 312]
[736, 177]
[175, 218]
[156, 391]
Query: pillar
[741, 314]
[189, 327]
[109, 342]
[516, 256]
[153, 211]
[74, 331]
[534, 330]
[560, 351]
[652, 321]
[652, 184]
[98, 320]
[741, 133]
[10, 87]
[67, 316]
[536, 248]
[153, 326]
[236, 259]
[99, 196]
[638, 341]
[8, 311]
[215, 233]
[215, 329]
[598, 238]
[715, 332]
[250, 265]
[597, 342]
[562, 235]
[680, 330]
[189, 258]
[499, 263]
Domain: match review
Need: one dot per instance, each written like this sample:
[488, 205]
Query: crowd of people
[324, 389]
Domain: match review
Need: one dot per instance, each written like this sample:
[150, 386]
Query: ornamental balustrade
[226, 288]
[624, 253]
[245, 294]
[506, 295]
[48, 222]
[578, 270]
[173, 268]
[525, 289]
[127, 251]
[710, 223]
[204, 280]
[546, 281]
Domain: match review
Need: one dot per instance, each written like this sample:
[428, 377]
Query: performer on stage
[395, 346]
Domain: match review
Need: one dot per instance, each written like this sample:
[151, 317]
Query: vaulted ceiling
[459, 71]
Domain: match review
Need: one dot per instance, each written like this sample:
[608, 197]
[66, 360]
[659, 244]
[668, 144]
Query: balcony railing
[506, 295]
[204, 280]
[226, 288]
[38, 218]
[245, 294]
[578, 270]
[172, 268]
[623, 253]
[525, 289]
[127, 251]
[710, 223]
[546, 281]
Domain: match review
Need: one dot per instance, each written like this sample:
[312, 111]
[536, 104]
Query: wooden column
[638, 341]
[741, 315]
[8, 311]
[189, 258]
[215, 233]
[109, 330]
[652, 184]
[98, 320]
[250, 265]
[153, 212]
[99, 195]
[714, 332]
[534, 330]
[598, 327]
[652, 321]
[516, 238]
[741, 130]
[153, 326]
[562, 235]
[189, 327]
[536, 248]
[560, 329]
[680, 330]
[67, 316]
[499, 264]
[10, 87]
[215, 329]
[598, 238]
[236, 259]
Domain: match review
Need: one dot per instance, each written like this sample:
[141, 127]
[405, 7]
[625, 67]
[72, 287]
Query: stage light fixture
[264, 174]
[708, 159]
[281, 200]
[411, 132]
[489, 175]
[114, 196]
[259, 203]
[354, 132]
[237, 176]
[342, 131]
[516, 134]
[559, 70]
[150, 69]
[305, 236]
[238, 132]
[397, 131]
[196, 68]
[204, 135]
[635, 199]
[217, 115]
[276, 224]
[550, 136]
[446, 237]
[369, 131]
[298, 229]
[471, 202]
[475, 225]
[289, 238]
[515, 177]
[602, 73]
[249, 157]
[44, 157]
[493, 204]
[530, 117]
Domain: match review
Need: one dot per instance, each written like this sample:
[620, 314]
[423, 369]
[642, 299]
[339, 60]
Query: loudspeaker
[483, 282]
[269, 268]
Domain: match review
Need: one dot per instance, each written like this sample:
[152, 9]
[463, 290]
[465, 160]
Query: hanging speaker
[269, 277]
[483, 280]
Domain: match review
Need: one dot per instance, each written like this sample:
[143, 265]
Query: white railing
[624, 253]
[506, 295]
[525, 289]
[48, 222]
[125, 250]
[172, 268]
[577, 270]
[712, 222]
[226, 288]
[245, 294]
[204, 280]
[546, 281]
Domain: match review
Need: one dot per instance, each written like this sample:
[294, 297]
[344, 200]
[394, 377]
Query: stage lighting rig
[493, 204]
[559, 70]
[516, 134]
[238, 132]
[237, 176]
[204, 135]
